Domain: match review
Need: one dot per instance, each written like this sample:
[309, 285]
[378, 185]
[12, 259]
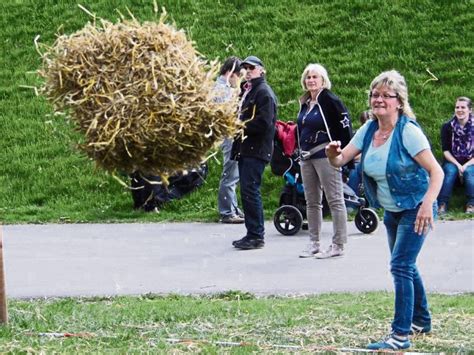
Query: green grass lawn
[272, 324]
[43, 178]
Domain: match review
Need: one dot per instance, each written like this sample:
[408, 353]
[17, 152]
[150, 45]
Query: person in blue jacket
[401, 175]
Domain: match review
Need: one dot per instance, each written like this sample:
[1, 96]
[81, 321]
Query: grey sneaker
[235, 219]
[333, 251]
[418, 329]
[310, 250]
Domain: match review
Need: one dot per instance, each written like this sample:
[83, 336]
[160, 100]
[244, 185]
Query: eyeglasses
[376, 95]
[249, 67]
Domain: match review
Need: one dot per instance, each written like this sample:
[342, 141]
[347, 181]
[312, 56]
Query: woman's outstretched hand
[333, 149]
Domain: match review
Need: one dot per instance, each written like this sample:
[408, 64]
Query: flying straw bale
[140, 95]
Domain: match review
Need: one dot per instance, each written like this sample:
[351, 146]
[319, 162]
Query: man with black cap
[253, 150]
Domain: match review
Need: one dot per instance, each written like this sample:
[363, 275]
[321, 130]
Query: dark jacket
[447, 136]
[336, 114]
[258, 111]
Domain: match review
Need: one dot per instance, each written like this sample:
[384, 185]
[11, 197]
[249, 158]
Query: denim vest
[407, 180]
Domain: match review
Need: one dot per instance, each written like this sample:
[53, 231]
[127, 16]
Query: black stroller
[290, 216]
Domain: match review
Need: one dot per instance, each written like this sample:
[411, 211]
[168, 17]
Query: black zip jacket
[258, 112]
[337, 117]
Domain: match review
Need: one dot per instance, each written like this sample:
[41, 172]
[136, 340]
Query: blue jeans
[227, 198]
[411, 305]
[450, 178]
[251, 173]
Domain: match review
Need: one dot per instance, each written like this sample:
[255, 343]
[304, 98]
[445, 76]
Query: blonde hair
[393, 80]
[318, 68]
[465, 99]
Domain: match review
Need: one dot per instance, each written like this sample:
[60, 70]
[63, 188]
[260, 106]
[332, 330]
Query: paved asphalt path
[195, 258]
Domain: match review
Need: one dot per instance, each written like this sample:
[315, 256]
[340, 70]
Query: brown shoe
[442, 208]
[469, 209]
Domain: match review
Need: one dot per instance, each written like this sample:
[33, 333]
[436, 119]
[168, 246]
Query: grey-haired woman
[322, 118]
[401, 175]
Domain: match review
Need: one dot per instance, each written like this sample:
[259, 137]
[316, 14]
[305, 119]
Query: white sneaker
[333, 251]
[310, 251]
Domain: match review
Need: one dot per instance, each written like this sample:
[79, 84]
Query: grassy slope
[42, 177]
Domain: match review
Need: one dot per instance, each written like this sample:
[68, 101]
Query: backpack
[284, 147]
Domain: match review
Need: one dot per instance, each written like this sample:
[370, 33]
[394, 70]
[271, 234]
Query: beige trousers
[319, 175]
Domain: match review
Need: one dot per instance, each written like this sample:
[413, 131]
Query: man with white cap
[253, 150]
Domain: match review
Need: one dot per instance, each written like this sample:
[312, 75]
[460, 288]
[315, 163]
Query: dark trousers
[251, 173]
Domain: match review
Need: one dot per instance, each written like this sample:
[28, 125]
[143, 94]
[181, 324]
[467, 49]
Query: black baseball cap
[253, 60]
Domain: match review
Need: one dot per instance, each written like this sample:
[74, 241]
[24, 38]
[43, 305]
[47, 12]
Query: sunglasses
[249, 67]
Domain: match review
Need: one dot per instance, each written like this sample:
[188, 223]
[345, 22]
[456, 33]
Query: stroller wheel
[366, 220]
[288, 220]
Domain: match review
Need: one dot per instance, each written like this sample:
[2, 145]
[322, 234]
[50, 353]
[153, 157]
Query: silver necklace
[383, 135]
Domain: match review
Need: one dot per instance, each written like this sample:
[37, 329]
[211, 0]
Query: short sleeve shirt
[375, 161]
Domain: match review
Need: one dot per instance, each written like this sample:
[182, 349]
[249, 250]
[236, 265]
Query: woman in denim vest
[401, 175]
